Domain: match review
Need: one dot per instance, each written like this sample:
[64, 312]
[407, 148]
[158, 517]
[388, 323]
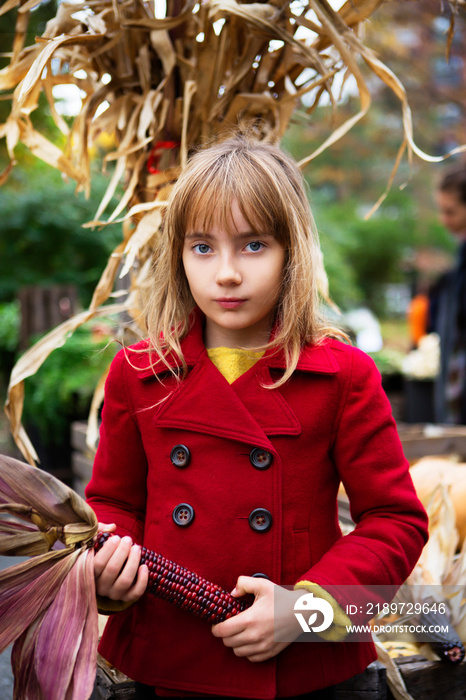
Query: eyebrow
[240, 236]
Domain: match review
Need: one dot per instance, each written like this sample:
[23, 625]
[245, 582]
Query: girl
[224, 439]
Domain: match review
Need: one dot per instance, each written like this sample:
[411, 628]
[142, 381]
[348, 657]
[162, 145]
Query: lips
[230, 302]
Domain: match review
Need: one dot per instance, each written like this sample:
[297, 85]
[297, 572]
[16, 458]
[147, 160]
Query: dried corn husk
[439, 576]
[394, 678]
[428, 472]
[438, 569]
[47, 603]
[437, 556]
[187, 78]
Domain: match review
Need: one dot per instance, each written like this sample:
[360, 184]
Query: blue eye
[255, 246]
[201, 248]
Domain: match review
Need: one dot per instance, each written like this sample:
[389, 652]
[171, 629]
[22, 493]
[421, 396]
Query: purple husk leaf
[11, 527]
[60, 634]
[86, 662]
[23, 599]
[38, 488]
[22, 662]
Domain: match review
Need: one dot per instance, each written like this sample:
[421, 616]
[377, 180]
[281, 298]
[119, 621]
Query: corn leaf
[50, 501]
[47, 603]
[22, 657]
[22, 602]
[62, 628]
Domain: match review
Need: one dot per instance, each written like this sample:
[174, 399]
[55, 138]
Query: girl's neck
[254, 336]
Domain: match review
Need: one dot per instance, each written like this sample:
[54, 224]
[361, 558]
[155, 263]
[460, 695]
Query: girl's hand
[252, 633]
[103, 527]
[118, 575]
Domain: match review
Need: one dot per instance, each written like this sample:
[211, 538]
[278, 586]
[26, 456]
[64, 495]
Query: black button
[260, 459]
[260, 520]
[258, 575]
[180, 456]
[183, 514]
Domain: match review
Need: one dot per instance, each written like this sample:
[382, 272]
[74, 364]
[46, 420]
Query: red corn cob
[185, 588]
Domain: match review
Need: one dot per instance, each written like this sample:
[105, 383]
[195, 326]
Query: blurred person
[447, 313]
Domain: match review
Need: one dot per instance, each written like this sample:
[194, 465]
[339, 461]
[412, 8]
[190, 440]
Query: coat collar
[243, 411]
[314, 358]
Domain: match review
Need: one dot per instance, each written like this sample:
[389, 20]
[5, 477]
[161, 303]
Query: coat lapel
[244, 411]
[271, 410]
[206, 403]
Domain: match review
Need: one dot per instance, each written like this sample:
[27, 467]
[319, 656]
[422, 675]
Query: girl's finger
[116, 560]
[102, 557]
[247, 650]
[231, 627]
[142, 579]
[106, 527]
[124, 585]
[237, 641]
[257, 658]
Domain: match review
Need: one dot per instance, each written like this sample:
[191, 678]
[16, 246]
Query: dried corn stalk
[161, 86]
[438, 576]
[47, 603]
[438, 566]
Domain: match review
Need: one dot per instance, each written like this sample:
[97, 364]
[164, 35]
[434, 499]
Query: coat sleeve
[117, 490]
[391, 523]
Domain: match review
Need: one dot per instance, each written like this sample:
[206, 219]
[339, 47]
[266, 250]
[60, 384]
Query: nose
[228, 271]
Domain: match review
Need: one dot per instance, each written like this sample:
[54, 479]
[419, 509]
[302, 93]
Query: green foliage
[374, 249]
[9, 327]
[9, 337]
[62, 389]
[43, 240]
[362, 256]
[388, 361]
[344, 288]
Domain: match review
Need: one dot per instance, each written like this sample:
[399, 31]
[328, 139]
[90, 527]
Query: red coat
[330, 422]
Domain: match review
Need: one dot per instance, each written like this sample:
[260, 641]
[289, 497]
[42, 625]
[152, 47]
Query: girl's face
[235, 278]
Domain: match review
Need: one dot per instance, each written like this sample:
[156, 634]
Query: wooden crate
[43, 308]
[425, 680]
[110, 684]
[81, 458]
[433, 680]
[422, 440]
[370, 685]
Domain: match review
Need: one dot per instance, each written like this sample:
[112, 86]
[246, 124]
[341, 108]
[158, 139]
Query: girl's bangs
[210, 205]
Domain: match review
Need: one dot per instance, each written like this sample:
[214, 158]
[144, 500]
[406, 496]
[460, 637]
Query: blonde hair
[269, 190]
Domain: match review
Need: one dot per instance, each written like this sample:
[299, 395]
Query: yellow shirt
[233, 362]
